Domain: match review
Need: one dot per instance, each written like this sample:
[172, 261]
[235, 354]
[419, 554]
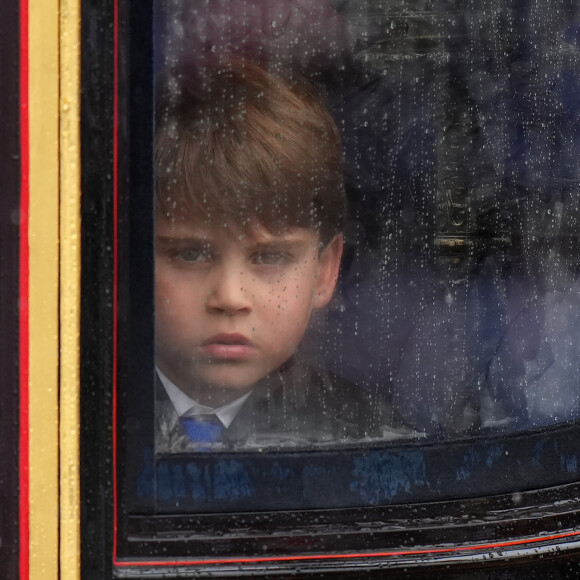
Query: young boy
[250, 206]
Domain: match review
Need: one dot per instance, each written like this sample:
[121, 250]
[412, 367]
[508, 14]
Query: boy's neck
[215, 397]
[205, 394]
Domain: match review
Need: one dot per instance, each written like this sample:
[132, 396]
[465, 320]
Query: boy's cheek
[172, 317]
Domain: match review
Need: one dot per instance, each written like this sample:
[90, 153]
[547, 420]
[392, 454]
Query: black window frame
[11, 167]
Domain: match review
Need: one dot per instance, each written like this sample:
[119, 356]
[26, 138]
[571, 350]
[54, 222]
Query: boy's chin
[229, 382]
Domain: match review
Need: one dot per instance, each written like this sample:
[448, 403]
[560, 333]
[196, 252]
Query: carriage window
[425, 156]
[349, 247]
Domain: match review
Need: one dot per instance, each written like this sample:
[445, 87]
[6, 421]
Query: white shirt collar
[184, 404]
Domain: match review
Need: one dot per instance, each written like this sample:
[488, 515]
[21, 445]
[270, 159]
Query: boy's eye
[193, 255]
[270, 258]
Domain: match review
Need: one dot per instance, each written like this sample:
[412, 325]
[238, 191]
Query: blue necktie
[203, 428]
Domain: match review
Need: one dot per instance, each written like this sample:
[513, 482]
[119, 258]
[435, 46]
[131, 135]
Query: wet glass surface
[456, 309]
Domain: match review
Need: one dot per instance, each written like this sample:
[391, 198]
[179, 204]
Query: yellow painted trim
[69, 288]
[44, 285]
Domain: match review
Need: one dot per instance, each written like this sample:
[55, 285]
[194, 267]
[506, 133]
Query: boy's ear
[328, 267]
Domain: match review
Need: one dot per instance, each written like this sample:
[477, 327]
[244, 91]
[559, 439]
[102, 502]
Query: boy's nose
[227, 294]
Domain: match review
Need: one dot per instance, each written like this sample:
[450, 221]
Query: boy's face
[232, 305]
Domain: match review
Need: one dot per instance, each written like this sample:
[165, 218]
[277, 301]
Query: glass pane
[425, 149]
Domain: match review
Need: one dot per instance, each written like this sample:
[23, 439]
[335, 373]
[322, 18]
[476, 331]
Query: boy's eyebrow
[277, 243]
[180, 239]
[263, 240]
[269, 239]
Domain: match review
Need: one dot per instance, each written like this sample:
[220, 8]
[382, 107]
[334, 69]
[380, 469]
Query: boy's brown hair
[239, 143]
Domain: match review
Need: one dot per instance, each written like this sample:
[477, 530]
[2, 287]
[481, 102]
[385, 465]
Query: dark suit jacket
[295, 406]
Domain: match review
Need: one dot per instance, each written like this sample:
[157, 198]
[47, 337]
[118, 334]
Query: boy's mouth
[227, 347]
